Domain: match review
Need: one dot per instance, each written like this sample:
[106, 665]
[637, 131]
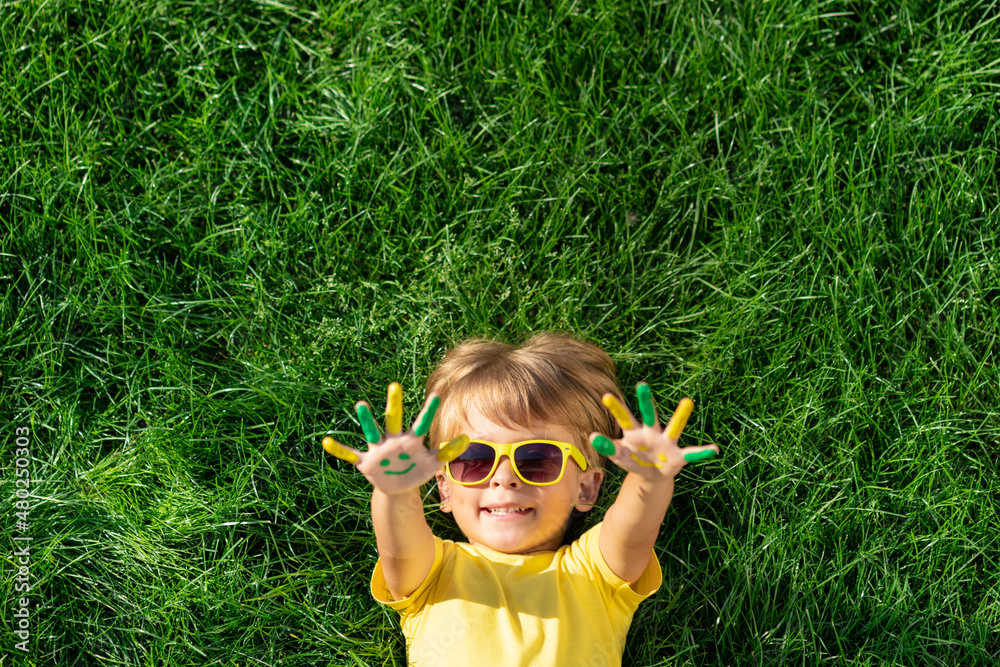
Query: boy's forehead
[478, 422]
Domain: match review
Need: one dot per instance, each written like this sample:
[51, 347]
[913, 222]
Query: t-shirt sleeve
[418, 598]
[625, 597]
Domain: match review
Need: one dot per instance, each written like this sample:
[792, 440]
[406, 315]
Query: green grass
[225, 222]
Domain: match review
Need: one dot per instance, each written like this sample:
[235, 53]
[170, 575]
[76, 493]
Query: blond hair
[549, 379]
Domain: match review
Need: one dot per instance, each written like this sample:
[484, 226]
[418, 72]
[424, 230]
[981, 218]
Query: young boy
[519, 435]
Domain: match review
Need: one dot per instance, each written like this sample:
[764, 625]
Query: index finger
[424, 423]
[618, 410]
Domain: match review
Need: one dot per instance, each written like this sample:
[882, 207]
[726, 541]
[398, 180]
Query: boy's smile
[506, 514]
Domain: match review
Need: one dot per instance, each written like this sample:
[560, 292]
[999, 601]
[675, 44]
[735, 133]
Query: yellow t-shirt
[480, 607]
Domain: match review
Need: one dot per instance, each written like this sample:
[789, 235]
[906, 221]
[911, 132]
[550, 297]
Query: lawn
[226, 222]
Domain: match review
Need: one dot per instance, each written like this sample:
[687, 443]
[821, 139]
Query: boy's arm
[397, 465]
[653, 459]
[405, 541]
[632, 524]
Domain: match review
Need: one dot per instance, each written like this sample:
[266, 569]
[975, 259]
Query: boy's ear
[444, 491]
[590, 487]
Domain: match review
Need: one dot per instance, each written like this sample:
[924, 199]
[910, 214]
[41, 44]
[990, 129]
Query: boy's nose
[504, 475]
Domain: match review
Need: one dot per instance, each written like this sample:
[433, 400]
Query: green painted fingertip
[603, 446]
[368, 424]
[645, 396]
[428, 418]
[704, 455]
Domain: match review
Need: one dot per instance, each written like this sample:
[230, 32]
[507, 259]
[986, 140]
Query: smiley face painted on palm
[388, 462]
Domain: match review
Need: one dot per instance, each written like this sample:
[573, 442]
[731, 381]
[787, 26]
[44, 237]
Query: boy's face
[543, 524]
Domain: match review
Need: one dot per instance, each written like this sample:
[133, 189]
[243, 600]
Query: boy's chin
[512, 541]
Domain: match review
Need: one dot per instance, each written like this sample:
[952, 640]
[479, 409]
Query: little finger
[695, 454]
[342, 452]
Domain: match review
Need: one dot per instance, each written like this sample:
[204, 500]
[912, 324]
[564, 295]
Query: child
[520, 432]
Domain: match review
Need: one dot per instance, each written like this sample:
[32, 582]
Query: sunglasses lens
[474, 465]
[539, 462]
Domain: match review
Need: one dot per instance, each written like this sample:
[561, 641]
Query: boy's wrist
[651, 488]
[397, 495]
[653, 480]
[395, 518]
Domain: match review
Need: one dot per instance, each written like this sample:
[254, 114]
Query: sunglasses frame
[568, 449]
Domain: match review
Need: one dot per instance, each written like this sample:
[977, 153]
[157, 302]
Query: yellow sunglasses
[535, 462]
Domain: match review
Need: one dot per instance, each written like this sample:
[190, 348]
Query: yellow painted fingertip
[334, 448]
[680, 418]
[394, 409]
[452, 449]
[620, 413]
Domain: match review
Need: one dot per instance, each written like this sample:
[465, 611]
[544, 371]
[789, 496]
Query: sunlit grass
[224, 223]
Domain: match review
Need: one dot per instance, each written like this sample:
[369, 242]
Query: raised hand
[399, 461]
[645, 447]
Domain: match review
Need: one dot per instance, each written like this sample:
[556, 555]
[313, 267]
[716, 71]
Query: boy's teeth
[506, 510]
